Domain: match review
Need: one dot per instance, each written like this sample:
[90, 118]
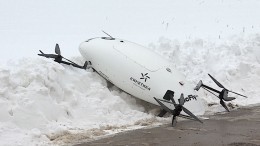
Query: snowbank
[42, 102]
[234, 62]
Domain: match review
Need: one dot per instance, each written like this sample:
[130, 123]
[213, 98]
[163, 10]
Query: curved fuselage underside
[139, 71]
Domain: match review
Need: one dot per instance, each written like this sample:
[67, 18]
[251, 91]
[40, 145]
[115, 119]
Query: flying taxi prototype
[143, 74]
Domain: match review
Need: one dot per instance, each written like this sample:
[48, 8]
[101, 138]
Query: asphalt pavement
[240, 127]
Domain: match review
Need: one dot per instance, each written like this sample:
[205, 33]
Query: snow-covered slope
[235, 62]
[42, 102]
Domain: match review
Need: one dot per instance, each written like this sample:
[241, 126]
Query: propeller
[178, 109]
[48, 55]
[223, 95]
[221, 86]
[58, 58]
[55, 56]
[57, 49]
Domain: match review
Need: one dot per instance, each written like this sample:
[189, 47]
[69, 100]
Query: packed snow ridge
[43, 102]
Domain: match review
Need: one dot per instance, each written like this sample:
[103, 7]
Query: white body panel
[128, 66]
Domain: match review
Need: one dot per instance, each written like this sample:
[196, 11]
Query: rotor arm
[58, 58]
[210, 88]
[200, 84]
[74, 64]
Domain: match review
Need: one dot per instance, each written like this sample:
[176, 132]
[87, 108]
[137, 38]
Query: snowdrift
[235, 62]
[39, 96]
[42, 102]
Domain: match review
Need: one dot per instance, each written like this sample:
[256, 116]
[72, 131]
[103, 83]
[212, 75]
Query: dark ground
[237, 128]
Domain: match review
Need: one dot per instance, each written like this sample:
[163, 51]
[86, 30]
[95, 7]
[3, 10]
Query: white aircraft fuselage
[139, 71]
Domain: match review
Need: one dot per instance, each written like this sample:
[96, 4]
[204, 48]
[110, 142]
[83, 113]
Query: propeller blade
[221, 86]
[42, 55]
[41, 51]
[225, 94]
[85, 65]
[69, 60]
[238, 94]
[48, 55]
[174, 121]
[182, 99]
[224, 105]
[173, 101]
[165, 101]
[163, 106]
[57, 49]
[191, 114]
[229, 98]
[198, 86]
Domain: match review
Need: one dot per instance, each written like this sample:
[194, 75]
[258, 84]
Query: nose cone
[81, 47]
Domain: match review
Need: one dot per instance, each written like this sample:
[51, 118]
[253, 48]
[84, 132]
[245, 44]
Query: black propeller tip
[163, 106]
[57, 49]
[191, 114]
[220, 85]
[238, 94]
[198, 86]
[224, 105]
[174, 121]
[182, 99]
[41, 52]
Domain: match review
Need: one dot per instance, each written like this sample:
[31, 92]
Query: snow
[45, 103]
[44, 99]
[234, 62]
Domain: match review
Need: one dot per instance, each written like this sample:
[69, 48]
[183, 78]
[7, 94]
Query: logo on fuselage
[145, 76]
[140, 84]
[190, 97]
